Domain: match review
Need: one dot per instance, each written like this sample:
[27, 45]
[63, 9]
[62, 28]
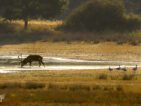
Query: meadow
[76, 50]
[51, 31]
[71, 88]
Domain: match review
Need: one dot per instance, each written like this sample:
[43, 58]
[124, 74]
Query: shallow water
[9, 64]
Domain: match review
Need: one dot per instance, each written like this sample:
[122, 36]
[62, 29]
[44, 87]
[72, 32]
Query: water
[10, 64]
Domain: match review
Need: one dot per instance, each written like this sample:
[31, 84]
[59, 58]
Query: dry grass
[37, 25]
[44, 30]
[83, 77]
[70, 88]
[81, 50]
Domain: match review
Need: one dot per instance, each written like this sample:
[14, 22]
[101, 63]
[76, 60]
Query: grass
[44, 30]
[103, 76]
[34, 25]
[77, 50]
[18, 85]
[33, 85]
[69, 88]
[128, 77]
[43, 38]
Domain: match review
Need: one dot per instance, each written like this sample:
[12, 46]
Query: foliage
[128, 77]
[34, 85]
[27, 85]
[103, 76]
[71, 6]
[31, 9]
[133, 5]
[99, 15]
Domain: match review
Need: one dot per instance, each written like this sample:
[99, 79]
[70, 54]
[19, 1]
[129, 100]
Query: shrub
[97, 87]
[10, 85]
[79, 87]
[133, 22]
[103, 77]
[135, 43]
[6, 27]
[33, 85]
[128, 77]
[57, 87]
[119, 88]
[99, 15]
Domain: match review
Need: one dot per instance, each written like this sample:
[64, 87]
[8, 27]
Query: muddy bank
[14, 60]
[10, 64]
[77, 50]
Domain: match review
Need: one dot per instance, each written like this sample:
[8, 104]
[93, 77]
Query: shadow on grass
[13, 33]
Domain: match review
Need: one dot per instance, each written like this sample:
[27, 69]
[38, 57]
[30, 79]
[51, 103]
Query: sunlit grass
[79, 50]
[70, 88]
[35, 25]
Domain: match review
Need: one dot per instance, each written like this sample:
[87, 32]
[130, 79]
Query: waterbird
[110, 69]
[124, 69]
[119, 68]
[135, 68]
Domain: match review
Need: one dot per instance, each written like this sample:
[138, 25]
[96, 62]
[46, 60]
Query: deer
[29, 59]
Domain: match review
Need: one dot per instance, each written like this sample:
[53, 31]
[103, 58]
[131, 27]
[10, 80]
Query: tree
[96, 15]
[101, 15]
[133, 5]
[31, 9]
[72, 5]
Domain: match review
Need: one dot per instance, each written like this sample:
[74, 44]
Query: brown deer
[29, 59]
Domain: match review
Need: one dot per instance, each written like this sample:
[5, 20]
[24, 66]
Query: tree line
[47, 9]
[31, 9]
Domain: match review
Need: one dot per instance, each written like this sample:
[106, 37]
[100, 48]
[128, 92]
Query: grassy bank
[42, 30]
[70, 88]
[77, 50]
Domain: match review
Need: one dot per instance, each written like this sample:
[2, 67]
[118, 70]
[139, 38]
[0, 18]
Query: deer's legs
[30, 63]
[43, 63]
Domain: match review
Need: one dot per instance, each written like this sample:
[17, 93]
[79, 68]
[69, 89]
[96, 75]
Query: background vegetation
[31, 9]
[101, 15]
[74, 88]
[109, 24]
[71, 88]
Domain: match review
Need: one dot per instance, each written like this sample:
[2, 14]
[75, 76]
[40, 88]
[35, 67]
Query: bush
[6, 27]
[33, 85]
[10, 85]
[119, 88]
[128, 77]
[103, 77]
[99, 15]
[79, 87]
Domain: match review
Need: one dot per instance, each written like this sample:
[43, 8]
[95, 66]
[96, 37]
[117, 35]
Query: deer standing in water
[29, 59]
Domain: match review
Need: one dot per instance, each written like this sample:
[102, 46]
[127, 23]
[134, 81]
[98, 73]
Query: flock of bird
[123, 68]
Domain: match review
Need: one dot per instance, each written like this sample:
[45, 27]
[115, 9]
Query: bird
[135, 68]
[110, 69]
[124, 69]
[119, 68]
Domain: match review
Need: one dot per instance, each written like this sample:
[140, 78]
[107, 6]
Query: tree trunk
[25, 24]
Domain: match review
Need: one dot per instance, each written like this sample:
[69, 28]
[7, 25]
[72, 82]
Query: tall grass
[18, 85]
[69, 88]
